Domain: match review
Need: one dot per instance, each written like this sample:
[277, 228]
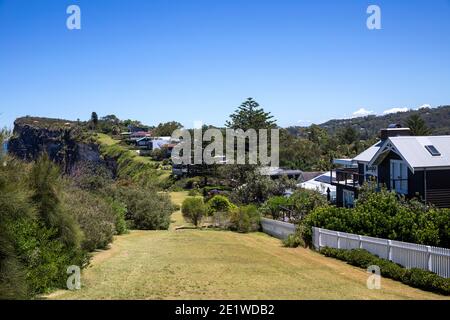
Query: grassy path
[207, 264]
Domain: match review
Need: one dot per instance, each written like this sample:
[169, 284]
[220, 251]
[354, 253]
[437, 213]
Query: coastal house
[412, 166]
[320, 182]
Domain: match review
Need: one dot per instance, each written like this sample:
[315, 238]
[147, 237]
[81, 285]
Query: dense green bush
[303, 201]
[39, 239]
[219, 203]
[45, 259]
[381, 214]
[45, 184]
[14, 204]
[245, 219]
[258, 188]
[297, 239]
[193, 210]
[146, 208]
[274, 206]
[194, 192]
[296, 206]
[95, 216]
[418, 278]
[120, 211]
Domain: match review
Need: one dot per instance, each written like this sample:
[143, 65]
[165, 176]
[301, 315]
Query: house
[134, 136]
[412, 166]
[133, 129]
[276, 172]
[320, 183]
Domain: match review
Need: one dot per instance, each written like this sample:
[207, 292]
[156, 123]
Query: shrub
[245, 219]
[258, 188]
[383, 215]
[14, 204]
[95, 216]
[193, 193]
[193, 210]
[46, 259]
[120, 211]
[146, 208]
[274, 206]
[304, 201]
[417, 278]
[297, 239]
[45, 185]
[220, 203]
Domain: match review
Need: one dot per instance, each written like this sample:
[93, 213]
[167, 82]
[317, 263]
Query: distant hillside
[437, 119]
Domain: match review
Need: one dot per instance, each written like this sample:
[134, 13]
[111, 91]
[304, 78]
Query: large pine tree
[250, 116]
[418, 126]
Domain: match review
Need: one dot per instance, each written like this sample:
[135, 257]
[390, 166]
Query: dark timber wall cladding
[438, 187]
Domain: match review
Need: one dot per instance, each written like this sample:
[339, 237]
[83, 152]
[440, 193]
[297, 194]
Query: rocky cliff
[64, 141]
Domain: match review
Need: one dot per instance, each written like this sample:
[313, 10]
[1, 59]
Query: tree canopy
[250, 115]
[418, 126]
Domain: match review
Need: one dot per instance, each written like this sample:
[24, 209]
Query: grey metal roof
[368, 154]
[413, 150]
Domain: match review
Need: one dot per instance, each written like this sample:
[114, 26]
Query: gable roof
[368, 154]
[412, 150]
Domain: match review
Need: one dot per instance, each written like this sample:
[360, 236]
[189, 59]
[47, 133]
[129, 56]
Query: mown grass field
[208, 264]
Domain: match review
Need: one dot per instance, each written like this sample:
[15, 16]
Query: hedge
[414, 277]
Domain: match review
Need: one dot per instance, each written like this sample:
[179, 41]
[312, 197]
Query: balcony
[350, 177]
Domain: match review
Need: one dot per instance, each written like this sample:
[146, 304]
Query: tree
[250, 116]
[193, 210]
[317, 135]
[166, 129]
[418, 126]
[94, 119]
[348, 135]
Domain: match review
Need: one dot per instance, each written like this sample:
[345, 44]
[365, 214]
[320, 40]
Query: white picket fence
[409, 255]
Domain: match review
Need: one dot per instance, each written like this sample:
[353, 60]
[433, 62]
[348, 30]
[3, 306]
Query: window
[433, 151]
[399, 176]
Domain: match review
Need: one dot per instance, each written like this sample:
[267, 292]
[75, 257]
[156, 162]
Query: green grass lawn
[106, 139]
[208, 264]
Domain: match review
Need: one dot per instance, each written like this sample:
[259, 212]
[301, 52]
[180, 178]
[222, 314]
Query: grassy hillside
[209, 264]
[129, 163]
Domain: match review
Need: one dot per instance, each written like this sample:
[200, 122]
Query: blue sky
[197, 60]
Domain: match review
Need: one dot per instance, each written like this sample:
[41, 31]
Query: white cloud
[362, 113]
[395, 110]
[426, 105]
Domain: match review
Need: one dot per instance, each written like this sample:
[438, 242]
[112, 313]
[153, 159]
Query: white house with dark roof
[413, 166]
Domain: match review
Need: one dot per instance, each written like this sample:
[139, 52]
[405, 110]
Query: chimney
[394, 130]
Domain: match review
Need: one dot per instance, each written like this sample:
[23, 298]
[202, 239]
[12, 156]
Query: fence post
[360, 241]
[320, 237]
[338, 240]
[389, 250]
[430, 265]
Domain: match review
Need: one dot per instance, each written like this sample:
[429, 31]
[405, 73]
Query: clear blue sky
[197, 60]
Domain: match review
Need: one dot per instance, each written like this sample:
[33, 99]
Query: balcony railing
[351, 177]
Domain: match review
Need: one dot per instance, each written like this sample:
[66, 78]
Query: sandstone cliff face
[62, 143]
